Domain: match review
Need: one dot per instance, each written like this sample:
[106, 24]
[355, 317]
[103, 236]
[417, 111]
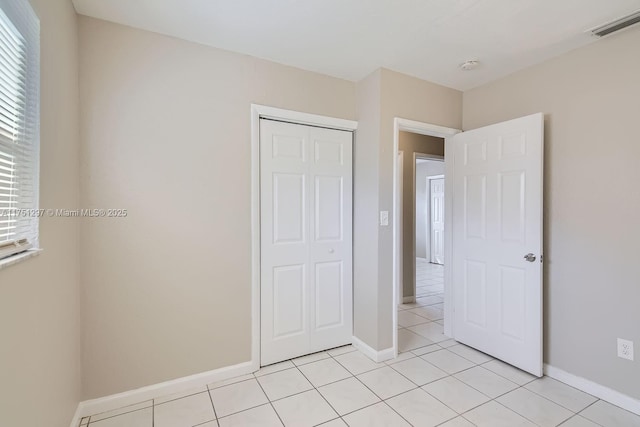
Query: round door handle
[530, 257]
[331, 251]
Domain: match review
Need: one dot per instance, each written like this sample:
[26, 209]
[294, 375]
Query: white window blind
[19, 125]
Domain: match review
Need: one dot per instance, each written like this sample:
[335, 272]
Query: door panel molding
[257, 112]
[498, 200]
[436, 186]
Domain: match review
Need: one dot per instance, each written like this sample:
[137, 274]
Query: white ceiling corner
[351, 38]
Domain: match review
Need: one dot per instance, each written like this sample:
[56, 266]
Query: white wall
[590, 98]
[40, 297]
[423, 201]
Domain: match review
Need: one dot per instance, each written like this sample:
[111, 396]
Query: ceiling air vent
[617, 25]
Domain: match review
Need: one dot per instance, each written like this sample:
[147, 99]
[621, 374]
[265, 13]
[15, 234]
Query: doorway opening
[496, 189]
[422, 312]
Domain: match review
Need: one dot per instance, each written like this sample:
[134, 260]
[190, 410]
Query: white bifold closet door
[306, 239]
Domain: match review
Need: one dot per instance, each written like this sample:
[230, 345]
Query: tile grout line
[318, 391]
[436, 398]
[581, 411]
[468, 420]
[249, 408]
[412, 355]
[374, 393]
[396, 412]
[300, 392]
[420, 387]
[215, 413]
[312, 385]
[562, 406]
[574, 416]
[479, 391]
[178, 398]
[495, 399]
[329, 356]
[270, 402]
[518, 413]
[452, 376]
[117, 415]
[417, 386]
[488, 401]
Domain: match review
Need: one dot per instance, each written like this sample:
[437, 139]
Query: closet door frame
[258, 112]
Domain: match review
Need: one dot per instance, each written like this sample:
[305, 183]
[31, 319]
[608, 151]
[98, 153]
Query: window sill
[14, 259]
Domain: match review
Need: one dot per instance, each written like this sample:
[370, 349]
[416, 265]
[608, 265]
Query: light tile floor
[433, 382]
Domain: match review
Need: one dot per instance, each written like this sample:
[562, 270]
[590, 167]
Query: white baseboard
[375, 355]
[75, 421]
[594, 389]
[408, 300]
[115, 401]
[387, 354]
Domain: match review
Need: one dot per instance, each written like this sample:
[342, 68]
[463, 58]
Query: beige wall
[39, 298]
[590, 98]
[381, 97]
[409, 98]
[154, 106]
[166, 135]
[164, 122]
[410, 143]
[365, 210]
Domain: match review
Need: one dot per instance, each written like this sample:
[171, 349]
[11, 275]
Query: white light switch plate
[384, 218]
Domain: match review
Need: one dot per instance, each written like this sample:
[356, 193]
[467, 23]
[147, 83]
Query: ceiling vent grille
[617, 25]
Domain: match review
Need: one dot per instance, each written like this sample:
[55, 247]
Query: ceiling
[352, 38]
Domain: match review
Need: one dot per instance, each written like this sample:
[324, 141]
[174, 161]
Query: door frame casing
[400, 124]
[400, 189]
[296, 117]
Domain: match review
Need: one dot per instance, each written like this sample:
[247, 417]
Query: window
[19, 126]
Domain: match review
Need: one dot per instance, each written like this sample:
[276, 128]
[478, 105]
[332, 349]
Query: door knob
[331, 251]
[530, 257]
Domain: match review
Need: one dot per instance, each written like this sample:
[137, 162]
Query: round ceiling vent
[470, 65]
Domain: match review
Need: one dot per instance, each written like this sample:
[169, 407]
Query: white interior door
[436, 213]
[306, 239]
[497, 240]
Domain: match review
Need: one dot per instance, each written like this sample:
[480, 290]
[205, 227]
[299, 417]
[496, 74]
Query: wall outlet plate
[625, 349]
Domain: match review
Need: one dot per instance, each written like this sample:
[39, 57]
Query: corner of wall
[365, 207]
[40, 317]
